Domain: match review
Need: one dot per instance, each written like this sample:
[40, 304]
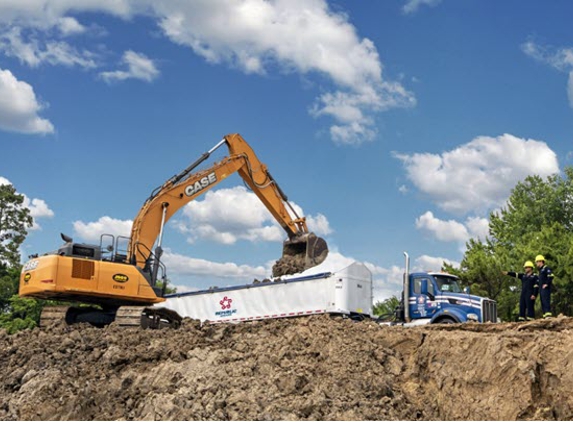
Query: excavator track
[160, 318]
[126, 316]
[141, 316]
[129, 316]
[53, 315]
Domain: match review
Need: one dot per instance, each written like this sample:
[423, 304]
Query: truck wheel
[446, 320]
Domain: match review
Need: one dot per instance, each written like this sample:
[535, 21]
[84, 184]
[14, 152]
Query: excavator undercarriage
[124, 316]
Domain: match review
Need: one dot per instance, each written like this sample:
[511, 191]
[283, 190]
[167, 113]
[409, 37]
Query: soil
[315, 368]
[299, 254]
[288, 265]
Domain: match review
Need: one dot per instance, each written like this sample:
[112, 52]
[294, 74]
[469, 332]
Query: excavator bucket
[300, 253]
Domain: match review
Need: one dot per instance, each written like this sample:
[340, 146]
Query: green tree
[15, 312]
[170, 289]
[15, 219]
[9, 278]
[386, 307]
[23, 313]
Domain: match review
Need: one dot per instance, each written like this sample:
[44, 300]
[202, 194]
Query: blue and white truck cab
[436, 297]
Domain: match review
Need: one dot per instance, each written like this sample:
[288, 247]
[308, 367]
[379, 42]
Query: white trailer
[346, 292]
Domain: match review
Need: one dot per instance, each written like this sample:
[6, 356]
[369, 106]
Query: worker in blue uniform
[545, 284]
[529, 290]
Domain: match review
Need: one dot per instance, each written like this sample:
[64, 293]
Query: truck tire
[446, 320]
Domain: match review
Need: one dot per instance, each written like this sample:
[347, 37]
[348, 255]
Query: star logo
[226, 303]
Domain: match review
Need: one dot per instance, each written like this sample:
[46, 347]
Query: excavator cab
[300, 253]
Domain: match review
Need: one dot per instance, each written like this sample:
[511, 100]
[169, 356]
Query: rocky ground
[315, 368]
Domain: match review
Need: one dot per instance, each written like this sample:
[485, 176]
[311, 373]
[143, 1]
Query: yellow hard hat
[539, 258]
[528, 264]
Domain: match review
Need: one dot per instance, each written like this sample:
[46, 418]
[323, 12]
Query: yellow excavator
[123, 284]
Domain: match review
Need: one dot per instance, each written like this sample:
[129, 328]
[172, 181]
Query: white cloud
[558, 58]
[300, 36]
[91, 232]
[38, 207]
[139, 67]
[348, 109]
[446, 231]
[478, 227]
[412, 6]
[479, 175]
[432, 263]
[256, 36]
[229, 215]
[452, 230]
[570, 89]
[386, 282]
[303, 35]
[185, 266]
[318, 224]
[48, 14]
[19, 107]
[70, 26]
[181, 288]
[34, 50]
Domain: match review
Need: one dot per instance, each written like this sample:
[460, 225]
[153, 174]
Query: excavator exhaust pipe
[300, 253]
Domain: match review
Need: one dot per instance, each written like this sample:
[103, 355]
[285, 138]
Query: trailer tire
[357, 317]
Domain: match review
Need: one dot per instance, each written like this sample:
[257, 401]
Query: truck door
[422, 298]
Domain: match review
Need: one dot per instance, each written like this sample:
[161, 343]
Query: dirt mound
[307, 368]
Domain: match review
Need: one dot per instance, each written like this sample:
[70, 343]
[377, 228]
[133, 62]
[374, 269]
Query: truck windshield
[448, 284]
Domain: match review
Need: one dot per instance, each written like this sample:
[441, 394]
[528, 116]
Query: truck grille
[83, 269]
[488, 310]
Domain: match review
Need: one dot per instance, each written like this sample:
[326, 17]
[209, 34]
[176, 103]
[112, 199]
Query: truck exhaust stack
[301, 253]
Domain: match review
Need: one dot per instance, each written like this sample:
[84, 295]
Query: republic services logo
[226, 310]
[226, 303]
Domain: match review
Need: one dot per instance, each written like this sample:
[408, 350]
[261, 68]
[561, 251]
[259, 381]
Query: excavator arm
[302, 249]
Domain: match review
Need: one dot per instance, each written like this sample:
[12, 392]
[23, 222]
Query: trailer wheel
[356, 317]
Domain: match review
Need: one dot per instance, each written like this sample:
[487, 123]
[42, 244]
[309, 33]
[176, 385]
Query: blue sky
[394, 125]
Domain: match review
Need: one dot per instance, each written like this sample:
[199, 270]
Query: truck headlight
[473, 317]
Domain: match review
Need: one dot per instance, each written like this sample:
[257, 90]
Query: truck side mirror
[424, 289]
[467, 290]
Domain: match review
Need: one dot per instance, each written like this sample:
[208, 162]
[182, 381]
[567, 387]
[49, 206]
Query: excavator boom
[302, 249]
